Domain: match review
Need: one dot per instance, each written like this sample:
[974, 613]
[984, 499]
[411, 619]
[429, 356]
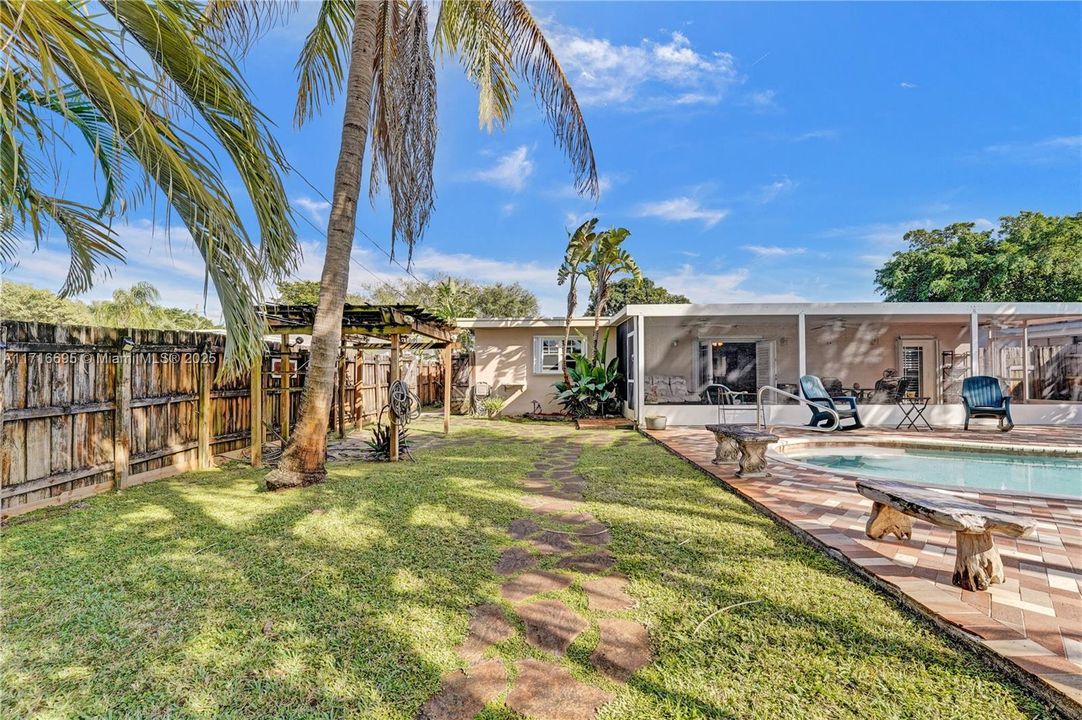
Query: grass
[204, 596]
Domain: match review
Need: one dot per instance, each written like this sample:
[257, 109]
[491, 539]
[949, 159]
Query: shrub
[590, 389]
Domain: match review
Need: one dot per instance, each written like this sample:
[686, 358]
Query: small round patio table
[913, 413]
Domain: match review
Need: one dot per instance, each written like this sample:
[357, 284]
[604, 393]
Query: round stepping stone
[549, 692]
[554, 505]
[608, 594]
[550, 542]
[513, 560]
[532, 583]
[574, 518]
[551, 625]
[464, 693]
[522, 528]
[624, 648]
[592, 563]
[488, 626]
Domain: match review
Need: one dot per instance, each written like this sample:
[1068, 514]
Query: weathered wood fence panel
[61, 437]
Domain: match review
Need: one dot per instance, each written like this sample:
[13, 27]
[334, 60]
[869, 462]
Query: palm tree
[580, 245]
[129, 308]
[607, 260]
[378, 54]
[121, 82]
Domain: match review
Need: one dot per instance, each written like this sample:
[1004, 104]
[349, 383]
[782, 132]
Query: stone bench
[977, 563]
[743, 442]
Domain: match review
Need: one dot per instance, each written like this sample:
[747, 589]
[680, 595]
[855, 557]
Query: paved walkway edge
[1050, 694]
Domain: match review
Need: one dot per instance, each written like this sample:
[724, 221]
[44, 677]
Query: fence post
[206, 377]
[122, 413]
[358, 389]
[255, 397]
[3, 371]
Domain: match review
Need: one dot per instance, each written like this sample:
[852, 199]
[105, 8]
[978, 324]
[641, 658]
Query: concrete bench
[977, 564]
[745, 442]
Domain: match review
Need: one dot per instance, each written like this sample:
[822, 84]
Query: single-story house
[696, 364]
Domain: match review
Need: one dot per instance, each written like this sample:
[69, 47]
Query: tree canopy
[306, 292]
[626, 291]
[1030, 257]
[451, 297]
[136, 307]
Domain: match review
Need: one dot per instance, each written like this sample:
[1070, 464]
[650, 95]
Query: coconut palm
[607, 260]
[379, 55]
[580, 244]
[122, 76]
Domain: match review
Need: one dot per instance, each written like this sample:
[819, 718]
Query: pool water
[1036, 474]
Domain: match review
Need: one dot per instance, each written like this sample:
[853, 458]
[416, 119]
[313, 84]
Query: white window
[547, 356]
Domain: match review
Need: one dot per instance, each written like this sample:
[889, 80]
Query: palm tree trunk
[303, 461]
[572, 300]
[599, 303]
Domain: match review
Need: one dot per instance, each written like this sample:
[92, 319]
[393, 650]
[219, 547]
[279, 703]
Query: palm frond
[211, 81]
[324, 58]
[475, 31]
[538, 64]
[403, 126]
[241, 22]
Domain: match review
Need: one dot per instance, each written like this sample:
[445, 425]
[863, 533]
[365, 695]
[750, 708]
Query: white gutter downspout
[801, 345]
[974, 341]
[1025, 361]
[640, 370]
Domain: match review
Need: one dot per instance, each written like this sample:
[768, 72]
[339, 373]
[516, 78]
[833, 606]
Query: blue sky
[757, 152]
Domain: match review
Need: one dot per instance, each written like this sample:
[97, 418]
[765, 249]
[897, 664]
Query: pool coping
[1065, 702]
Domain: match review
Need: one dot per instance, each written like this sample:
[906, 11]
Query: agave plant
[379, 447]
[590, 388]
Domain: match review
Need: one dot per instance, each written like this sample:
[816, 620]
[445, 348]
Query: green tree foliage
[1030, 257]
[30, 304]
[626, 291]
[451, 297]
[306, 292]
[136, 307]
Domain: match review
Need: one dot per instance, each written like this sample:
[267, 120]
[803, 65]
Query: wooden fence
[87, 409]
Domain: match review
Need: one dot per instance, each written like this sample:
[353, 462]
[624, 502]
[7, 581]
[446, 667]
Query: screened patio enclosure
[698, 364]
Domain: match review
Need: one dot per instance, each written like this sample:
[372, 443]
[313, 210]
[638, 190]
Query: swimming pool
[1037, 474]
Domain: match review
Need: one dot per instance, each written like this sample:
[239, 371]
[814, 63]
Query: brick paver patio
[1033, 620]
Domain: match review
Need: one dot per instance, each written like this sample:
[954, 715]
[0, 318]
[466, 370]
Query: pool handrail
[836, 418]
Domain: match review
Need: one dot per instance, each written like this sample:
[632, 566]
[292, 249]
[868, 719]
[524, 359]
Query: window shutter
[764, 363]
[537, 355]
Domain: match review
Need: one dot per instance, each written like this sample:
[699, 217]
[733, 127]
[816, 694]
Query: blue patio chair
[982, 396]
[814, 392]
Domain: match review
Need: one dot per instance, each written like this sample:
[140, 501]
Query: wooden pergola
[389, 323]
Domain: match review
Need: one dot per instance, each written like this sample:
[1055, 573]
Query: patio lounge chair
[982, 396]
[812, 389]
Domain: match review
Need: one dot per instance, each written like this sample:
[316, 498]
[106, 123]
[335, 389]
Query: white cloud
[702, 287]
[881, 233]
[1053, 149]
[510, 171]
[648, 74]
[680, 209]
[773, 250]
[907, 85]
[316, 209]
[824, 134]
[763, 100]
[771, 191]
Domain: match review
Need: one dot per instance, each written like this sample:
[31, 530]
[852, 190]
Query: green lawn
[204, 596]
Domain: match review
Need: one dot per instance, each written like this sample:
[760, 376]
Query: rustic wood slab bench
[977, 564]
[745, 442]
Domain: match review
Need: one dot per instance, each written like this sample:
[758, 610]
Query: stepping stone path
[561, 535]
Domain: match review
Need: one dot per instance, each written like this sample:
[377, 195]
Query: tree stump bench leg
[885, 520]
[753, 460]
[977, 564]
[727, 449]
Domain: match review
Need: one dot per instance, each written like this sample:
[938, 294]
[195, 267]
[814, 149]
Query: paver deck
[1033, 620]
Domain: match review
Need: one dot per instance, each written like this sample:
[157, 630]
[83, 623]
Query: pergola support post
[447, 377]
[255, 399]
[341, 394]
[1025, 361]
[394, 375]
[974, 341]
[358, 390]
[802, 344]
[284, 401]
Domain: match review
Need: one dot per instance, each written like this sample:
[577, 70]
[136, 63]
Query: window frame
[539, 352]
